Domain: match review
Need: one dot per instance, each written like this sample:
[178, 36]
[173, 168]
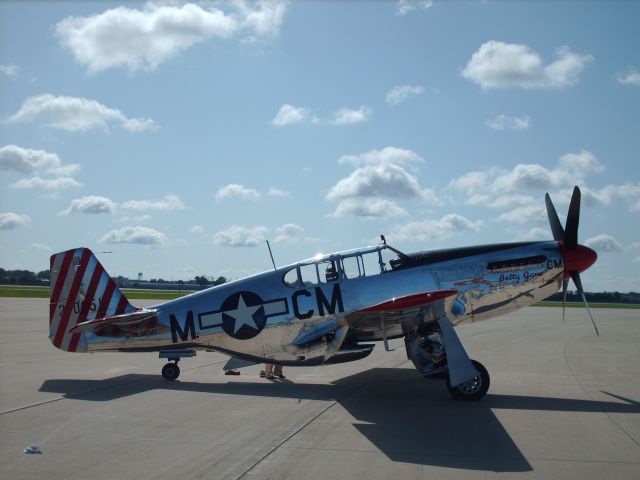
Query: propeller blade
[565, 284]
[554, 221]
[573, 218]
[575, 276]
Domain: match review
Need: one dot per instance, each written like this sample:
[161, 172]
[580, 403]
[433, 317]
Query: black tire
[170, 372]
[474, 389]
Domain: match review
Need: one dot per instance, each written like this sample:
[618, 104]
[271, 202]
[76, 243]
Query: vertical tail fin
[81, 290]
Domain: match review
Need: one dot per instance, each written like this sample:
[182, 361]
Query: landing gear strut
[171, 371]
[436, 351]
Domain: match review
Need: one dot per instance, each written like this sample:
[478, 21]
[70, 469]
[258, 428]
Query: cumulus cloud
[380, 176]
[10, 70]
[168, 203]
[288, 233]
[525, 214]
[522, 186]
[235, 190]
[627, 192]
[240, 236]
[503, 122]
[58, 183]
[604, 243]
[383, 180]
[387, 155]
[580, 164]
[498, 188]
[135, 39]
[197, 229]
[290, 115]
[28, 161]
[75, 114]
[535, 233]
[440, 229]
[404, 7]
[634, 247]
[90, 205]
[276, 192]
[348, 116]
[137, 219]
[368, 208]
[630, 77]
[11, 220]
[511, 65]
[403, 93]
[135, 235]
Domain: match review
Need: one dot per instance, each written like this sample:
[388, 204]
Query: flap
[316, 331]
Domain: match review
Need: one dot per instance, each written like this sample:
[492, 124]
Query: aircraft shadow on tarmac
[407, 418]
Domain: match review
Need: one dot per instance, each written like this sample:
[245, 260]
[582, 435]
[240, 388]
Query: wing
[384, 320]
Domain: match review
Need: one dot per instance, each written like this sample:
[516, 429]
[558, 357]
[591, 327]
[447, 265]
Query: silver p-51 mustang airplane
[327, 309]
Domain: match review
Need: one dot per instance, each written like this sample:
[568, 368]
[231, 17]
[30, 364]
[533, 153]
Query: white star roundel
[243, 315]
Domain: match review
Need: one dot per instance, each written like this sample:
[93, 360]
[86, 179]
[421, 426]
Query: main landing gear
[473, 389]
[436, 351]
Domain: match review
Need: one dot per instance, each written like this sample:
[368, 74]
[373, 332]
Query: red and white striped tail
[81, 290]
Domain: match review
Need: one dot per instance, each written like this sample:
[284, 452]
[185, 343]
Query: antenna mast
[271, 254]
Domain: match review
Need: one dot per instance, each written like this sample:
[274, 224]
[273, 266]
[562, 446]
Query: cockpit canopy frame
[350, 264]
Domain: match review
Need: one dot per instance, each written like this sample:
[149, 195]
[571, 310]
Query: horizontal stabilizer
[118, 320]
[235, 362]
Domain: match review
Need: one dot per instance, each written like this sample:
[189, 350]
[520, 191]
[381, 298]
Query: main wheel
[170, 371]
[473, 389]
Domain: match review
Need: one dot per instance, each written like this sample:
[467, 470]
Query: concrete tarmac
[563, 403]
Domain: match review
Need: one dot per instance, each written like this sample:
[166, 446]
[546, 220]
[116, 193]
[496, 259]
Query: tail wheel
[473, 389]
[171, 371]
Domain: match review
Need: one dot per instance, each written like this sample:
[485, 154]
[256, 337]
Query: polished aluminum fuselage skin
[490, 281]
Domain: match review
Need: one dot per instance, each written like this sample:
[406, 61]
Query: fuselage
[291, 315]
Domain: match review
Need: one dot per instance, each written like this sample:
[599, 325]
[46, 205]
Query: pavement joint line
[318, 415]
[475, 457]
[99, 389]
[564, 353]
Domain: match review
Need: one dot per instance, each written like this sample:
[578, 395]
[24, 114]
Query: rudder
[81, 289]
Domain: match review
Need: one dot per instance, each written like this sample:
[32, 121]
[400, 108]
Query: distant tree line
[598, 297]
[23, 277]
[200, 280]
[26, 277]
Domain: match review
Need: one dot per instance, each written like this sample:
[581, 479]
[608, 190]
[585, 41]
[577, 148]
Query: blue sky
[180, 136]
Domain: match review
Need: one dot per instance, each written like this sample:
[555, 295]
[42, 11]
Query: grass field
[545, 303]
[26, 291]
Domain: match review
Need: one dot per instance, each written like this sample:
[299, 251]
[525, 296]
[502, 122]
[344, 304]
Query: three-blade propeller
[568, 238]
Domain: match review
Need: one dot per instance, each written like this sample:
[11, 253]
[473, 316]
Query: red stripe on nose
[576, 259]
